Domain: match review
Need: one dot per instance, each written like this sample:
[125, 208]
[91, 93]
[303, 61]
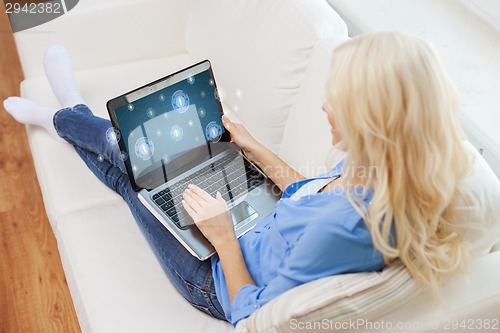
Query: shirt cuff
[244, 303]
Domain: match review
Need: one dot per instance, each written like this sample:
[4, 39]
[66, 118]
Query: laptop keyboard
[231, 175]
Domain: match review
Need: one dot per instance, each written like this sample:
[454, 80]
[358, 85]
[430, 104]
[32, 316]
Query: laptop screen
[161, 123]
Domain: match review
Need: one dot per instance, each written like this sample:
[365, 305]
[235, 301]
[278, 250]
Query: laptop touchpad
[243, 212]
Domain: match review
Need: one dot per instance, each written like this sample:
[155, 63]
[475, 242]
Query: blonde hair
[396, 110]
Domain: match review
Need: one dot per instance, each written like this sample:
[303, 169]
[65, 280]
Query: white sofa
[271, 58]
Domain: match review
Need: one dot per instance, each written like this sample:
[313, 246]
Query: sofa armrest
[102, 33]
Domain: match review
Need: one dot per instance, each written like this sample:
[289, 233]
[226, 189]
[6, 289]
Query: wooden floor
[34, 295]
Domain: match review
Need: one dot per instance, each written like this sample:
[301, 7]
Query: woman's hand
[242, 138]
[273, 166]
[211, 215]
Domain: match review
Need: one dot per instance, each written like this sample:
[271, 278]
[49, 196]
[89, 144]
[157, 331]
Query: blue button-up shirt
[302, 240]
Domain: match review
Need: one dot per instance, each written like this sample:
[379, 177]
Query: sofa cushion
[391, 297]
[260, 53]
[483, 213]
[335, 301]
[116, 282]
[57, 164]
[461, 296]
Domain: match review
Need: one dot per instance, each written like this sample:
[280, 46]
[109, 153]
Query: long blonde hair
[396, 110]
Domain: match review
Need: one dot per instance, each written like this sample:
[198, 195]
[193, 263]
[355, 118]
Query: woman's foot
[59, 71]
[28, 112]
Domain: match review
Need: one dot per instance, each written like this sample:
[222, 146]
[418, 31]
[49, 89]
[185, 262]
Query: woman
[391, 108]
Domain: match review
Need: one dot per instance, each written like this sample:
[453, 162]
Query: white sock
[28, 112]
[59, 71]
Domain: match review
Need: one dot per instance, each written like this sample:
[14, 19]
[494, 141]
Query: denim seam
[193, 299]
[54, 122]
[207, 294]
[211, 308]
[202, 309]
[205, 289]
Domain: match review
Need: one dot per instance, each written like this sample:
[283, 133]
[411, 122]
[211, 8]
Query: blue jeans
[190, 276]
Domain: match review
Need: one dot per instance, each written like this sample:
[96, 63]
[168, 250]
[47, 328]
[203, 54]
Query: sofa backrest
[307, 138]
[260, 53]
[103, 33]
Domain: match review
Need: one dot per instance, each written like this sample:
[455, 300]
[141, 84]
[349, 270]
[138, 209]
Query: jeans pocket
[209, 300]
[198, 300]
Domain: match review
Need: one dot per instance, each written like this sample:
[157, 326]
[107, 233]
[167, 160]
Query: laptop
[170, 134]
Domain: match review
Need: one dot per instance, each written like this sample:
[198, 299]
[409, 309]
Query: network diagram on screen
[163, 125]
